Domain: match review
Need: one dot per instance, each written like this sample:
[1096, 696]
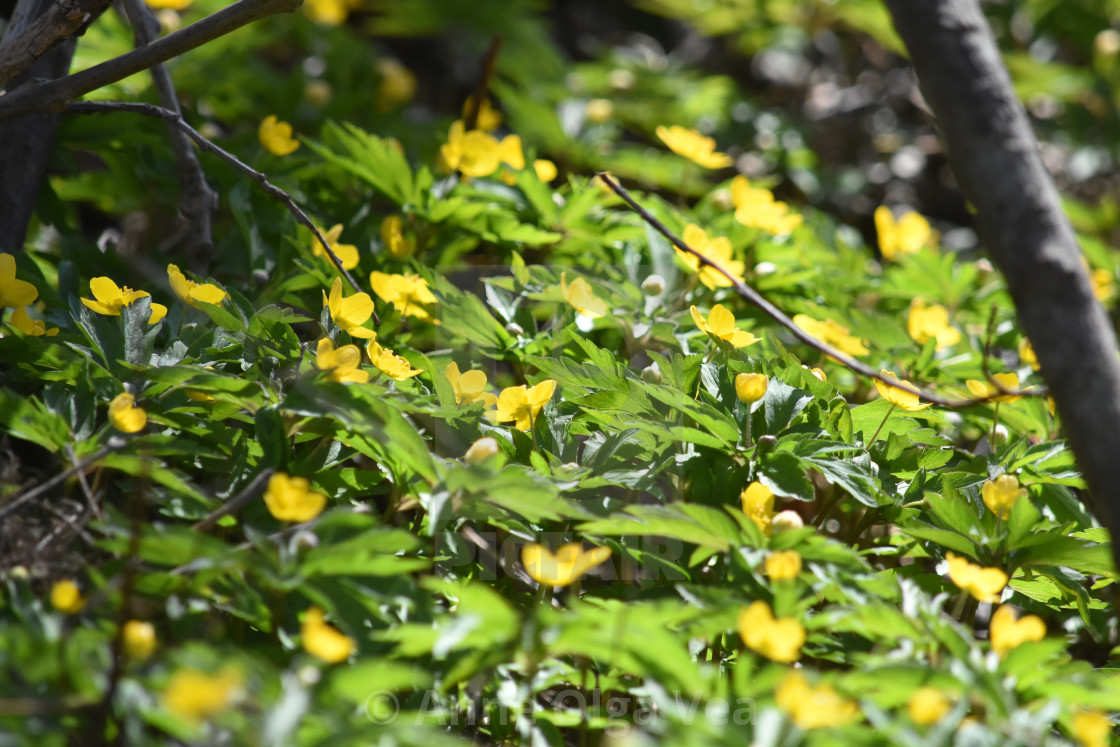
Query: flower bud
[787, 519]
[481, 450]
[515, 329]
[651, 374]
[999, 437]
[654, 285]
[751, 387]
[766, 442]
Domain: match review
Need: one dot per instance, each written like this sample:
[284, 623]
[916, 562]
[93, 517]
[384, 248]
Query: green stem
[885, 418]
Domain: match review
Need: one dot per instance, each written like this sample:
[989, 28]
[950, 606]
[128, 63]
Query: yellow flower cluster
[521, 404]
[1006, 632]
[1001, 494]
[408, 293]
[341, 364]
[125, 416]
[469, 387]
[192, 292]
[292, 499]
[1007, 382]
[110, 299]
[582, 298]
[758, 504]
[196, 696]
[347, 253]
[276, 136]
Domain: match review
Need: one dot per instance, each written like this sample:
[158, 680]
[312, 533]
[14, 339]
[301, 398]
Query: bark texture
[995, 156]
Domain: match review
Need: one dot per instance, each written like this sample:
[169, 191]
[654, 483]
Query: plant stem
[885, 417]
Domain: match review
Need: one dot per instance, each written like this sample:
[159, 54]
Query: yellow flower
[398, 84]
[481, 450]
[138, 639]
[341, 364]
[1000, 494]
[928, 705]
[756, 208]
[192, 292]
[984, 584]
[580, 296]
[1091, 728]
[22, 321]
[750, 387]
[477, 153]
[905, 236]
[347, 253]
[717, 251]
[407, 293]
[292, 499]
[1026, 353]
[758, 504]
[324, 641]
[195, 696]
[168, 4]
[1006, 632]
[469, 387]
[522, 404]
[276, 136]
[1008, 381]
[487, 119]
[721, 327]
[66, 597]
[545, 170]
[897, 396]
[814, 707]
[350, 313]
[778, 639]
[783, 565]
[832, 333]
[699, 149]
[569, 563]
[1103, 281]
[124, 416]
[14, 292]
[392, 236]
[925, 322]
[111, 299]
[394, 366]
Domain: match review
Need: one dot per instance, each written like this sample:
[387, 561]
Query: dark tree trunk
[995, 156]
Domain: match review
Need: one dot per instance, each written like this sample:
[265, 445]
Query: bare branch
[54, 95]
[149, 110]
[750, 294]
[197, 201]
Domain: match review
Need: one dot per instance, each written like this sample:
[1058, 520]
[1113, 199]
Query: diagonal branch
[56, 94]
[995, 157]
[150, 110]
[750, 294]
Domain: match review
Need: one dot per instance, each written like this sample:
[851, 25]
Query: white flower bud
[651, 374]
[784, 520]
[654, 285]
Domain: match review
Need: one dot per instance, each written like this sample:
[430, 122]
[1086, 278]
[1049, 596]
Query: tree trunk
[1020, 220]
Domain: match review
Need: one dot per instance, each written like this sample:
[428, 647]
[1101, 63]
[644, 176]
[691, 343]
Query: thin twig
[750, 294]
[150, 110]
[251, 491]
[94, 505]
[54, 95]
[482, 87]
[197, 201]
[115, 444]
